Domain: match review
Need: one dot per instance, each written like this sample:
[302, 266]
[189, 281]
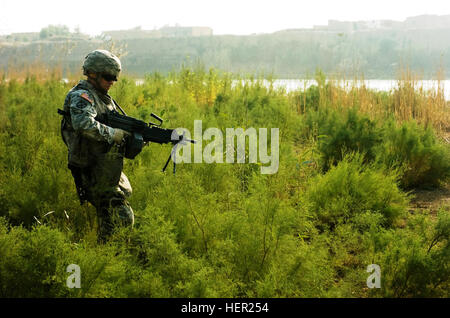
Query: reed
[408, 100]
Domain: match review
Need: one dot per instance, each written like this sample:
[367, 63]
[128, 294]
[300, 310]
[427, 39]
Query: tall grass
[408, 100]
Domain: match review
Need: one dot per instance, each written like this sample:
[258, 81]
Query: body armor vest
[84, 151]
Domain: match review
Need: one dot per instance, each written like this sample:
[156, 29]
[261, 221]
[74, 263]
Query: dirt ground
[431, 200]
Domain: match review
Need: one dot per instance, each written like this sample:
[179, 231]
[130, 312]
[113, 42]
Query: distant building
[340, 26]
[178, 31]
[390, 24]
[202, 31]
[320, 27]
[164, 32]
[428, 22]
[418, 22]
[346, 26]
[135, 33]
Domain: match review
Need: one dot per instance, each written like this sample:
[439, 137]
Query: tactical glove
[119, 134]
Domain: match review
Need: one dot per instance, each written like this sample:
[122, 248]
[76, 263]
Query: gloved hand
[119, 134]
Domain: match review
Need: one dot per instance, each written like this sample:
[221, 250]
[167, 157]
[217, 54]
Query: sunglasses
[109, 77]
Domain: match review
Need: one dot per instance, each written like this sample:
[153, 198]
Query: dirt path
[431, 200]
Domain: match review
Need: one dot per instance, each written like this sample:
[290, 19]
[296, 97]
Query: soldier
[96, 151]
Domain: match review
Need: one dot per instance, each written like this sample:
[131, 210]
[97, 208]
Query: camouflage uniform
[95, 160]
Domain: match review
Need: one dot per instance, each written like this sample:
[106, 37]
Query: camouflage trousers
[107, 189]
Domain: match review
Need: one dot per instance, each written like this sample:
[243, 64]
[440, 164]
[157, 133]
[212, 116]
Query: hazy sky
[224, 16]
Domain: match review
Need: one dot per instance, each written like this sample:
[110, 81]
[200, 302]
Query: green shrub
[32, 263]
[340, 133]
[415, 261]
[350, 189]
[408, 147]
[414, 150]
[309, 99]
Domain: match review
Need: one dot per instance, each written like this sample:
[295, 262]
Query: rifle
[141, 133]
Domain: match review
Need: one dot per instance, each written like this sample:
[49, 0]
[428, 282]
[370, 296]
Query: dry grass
[428, 106]
[409, 99]
[35, 70]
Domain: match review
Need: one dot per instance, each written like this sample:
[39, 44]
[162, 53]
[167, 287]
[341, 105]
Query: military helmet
[102, 61]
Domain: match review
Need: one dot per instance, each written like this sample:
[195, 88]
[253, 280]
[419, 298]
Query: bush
[340, 133]
[415, 150]
[414, 262]
[408, 147]
[32, 263]
[350, 189]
